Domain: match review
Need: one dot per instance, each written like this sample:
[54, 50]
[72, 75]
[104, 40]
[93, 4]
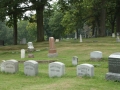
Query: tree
[14, 11]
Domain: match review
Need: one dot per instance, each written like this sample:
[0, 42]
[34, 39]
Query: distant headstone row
[56, 69]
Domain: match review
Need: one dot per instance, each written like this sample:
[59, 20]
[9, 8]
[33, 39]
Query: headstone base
[112, 76]
[30, 56]
[52, 54]
[95, 59]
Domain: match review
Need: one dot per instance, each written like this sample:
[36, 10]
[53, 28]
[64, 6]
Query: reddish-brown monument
[52, 48]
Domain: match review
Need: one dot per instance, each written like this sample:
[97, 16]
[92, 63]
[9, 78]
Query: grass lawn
[66, 50]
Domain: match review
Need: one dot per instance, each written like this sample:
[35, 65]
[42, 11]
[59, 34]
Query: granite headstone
[114, 67]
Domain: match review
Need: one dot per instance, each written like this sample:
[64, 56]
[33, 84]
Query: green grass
[66, 50]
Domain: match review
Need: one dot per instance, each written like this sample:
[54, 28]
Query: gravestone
[30, 46]
[75, 35]
[2, 66]
[1, 42]
[30, 56]
[23, 41]
[57, 40]
[80, 38]
[30, 68]
[114, 67]
[11, 66]
[52, 49]
[22, 53]
[74, 60]
[56, 69]
[113, 34]
[85, 70]
[96, 55]
[118, 39]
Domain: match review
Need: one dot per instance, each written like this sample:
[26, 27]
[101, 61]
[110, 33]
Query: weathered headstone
[11, 66]
[2, 66]
[118, 39]
[74, 60]
[80, 38]
[30, 56]
[85, 70]
[96, 55]
[56, 69]
[30, 68]
[22, 53]
[52, 49]
[23, 41]
[113, 34]
[114, 67]
[75, 35]
[30, 46]
[57, 40]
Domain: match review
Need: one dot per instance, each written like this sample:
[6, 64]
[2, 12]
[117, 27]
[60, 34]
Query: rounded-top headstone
[96, 55]
[30, 68]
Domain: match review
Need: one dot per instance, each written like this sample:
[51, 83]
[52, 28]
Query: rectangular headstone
[30, 68]
[75, 60]
[11, 66]
[22, 53]
[85, 70]
[56, 69]
[114, 67]
[96, 55]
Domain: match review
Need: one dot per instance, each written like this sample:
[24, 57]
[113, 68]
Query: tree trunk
[118, 17]
[14, 29]
[40, 31]
[102, 19]
[118, 24]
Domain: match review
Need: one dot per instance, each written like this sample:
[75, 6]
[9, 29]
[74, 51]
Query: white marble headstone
[11, 66]
[74, 60]
[22, 53]
[2, 67]
[113, 34]
[56, 69]
[85, 70]
[30, 68]
[56, 40]
[80, 38]
[96, 55]
[30, 46]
